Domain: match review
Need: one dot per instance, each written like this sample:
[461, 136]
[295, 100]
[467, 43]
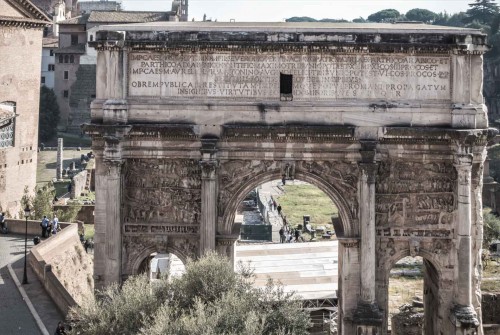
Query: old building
[21, 32]
[387, 119]
[76, 63]
[49, 45]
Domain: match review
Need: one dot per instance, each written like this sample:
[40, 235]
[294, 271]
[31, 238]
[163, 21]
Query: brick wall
[20, 66]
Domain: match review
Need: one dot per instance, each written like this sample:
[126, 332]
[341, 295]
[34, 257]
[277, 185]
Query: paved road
[15, 317]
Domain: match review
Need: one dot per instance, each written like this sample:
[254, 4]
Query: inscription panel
[316, 76]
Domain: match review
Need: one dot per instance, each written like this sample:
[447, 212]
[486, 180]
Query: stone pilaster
[225, 246]
[367, 317]
[348, 282]
[464, 316]
[209, 166]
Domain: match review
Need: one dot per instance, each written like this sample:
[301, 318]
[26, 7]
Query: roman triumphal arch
[386, 119]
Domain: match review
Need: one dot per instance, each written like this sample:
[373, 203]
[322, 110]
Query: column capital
[463, 160]
[226, 240]
[369, 170]
[114, 167]
[208, 169]
[349, 242]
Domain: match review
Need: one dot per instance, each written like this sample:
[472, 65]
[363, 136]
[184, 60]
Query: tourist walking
[3, 225]
[279, 209]
[282, 235]
[45, 225]
[297, 235]
[274, 204]
[55, 225]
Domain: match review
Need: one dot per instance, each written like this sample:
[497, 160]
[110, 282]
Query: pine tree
[482, 11]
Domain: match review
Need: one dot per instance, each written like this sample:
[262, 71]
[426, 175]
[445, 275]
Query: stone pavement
[309, 268]
[15, 317]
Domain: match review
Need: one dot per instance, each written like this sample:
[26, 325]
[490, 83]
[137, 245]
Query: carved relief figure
[162, 191]
[412, 194]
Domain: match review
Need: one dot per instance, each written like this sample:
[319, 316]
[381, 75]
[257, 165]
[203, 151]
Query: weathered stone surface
[387, 120]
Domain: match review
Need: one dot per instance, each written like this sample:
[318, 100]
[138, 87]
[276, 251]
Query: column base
[464, 318]
[368, 319]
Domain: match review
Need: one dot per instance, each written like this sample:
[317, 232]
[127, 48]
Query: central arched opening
[158, 265]
[289, 234]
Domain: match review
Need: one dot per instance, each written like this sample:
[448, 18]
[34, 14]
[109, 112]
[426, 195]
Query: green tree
[209, 299]
[359, 20]
[482, 11]
[301, 19]
[419, 14]
[455, 20]
[386, 15]
[49, 114]
[42, 202]
[491, 227]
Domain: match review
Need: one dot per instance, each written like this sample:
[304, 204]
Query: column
[349, 275]
[367, 317]
[113, 244]
[367, 225]
[465, 316]
[60, 159]
[208, 196]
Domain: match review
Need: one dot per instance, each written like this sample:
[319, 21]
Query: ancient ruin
[387, 119]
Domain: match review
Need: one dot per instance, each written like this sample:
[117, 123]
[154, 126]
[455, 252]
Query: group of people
[49, 227]
[288, 234]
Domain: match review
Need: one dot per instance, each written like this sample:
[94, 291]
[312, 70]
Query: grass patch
[306, 199]
[46, 163]
[402, 290]
[89, 231]
[490, 285]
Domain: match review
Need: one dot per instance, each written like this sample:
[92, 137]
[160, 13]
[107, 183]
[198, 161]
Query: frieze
[188, 247]
[154, 229]
[409, 232]
[162, 191]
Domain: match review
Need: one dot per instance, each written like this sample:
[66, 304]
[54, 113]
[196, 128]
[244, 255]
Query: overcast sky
[278, 10]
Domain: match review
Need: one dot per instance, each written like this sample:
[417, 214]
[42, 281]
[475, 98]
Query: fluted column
[113, 222]
[208, 196]
[367, 317]
[367, 223]
[465, 317]
[225, 247]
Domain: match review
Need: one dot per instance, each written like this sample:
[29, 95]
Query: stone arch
[433, 272]
[349, 223]
[134, 264]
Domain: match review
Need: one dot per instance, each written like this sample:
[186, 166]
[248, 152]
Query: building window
[71, 59]
[66, 75]
[52, 67]
[61, 59]
[74, 39]
[51, 52]
[286, 87]
[66, 93]
[66, 59]
[43, 80]
[7, 129]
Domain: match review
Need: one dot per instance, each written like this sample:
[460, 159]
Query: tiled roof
[73, 49]
[50, 42]
[82, 19]
[127, 16]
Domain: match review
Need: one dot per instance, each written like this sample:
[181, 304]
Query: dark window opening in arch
[66, 59]
[61, 58]
[71, 59]
[286, 87]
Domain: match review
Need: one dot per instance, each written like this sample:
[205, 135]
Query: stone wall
[491, 308]
[20, 66]
[63, 267]
[19, 226]
[81, 94]
[86, 213]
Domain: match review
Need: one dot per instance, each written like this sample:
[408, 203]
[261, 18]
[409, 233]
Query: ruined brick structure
[387, 119]
[21, 30]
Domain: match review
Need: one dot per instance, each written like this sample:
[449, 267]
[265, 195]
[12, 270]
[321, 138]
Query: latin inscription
[328, 77]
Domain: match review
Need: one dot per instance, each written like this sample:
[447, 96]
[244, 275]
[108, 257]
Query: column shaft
[208, 206]
[367, 223]
[113, 223]
[464, 221]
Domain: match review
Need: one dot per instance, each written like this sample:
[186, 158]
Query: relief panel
[415, 199]
[162, 196]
